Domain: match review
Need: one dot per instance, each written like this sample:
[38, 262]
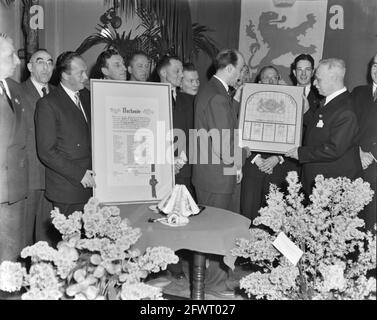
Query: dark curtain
[357, 43]
[222, 16]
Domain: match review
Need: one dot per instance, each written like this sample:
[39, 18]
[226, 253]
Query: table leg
[197, 292]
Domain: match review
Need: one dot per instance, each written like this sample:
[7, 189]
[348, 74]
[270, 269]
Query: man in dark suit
[329, 146]
[219, 160]
[303, 70]
[62, 127]
[365, 103]
[216, 172]
[170, 70]
[262, 169]
[13, 159]
[38, 208]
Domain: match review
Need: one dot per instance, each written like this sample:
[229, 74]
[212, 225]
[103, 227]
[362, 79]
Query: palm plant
[165, 31]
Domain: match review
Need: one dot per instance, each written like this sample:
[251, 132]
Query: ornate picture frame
[271, 117]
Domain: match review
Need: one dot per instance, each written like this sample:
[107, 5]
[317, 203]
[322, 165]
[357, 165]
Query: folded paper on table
[179, 202]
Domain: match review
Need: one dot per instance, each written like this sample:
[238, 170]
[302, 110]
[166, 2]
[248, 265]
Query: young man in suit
[219, 160]
[329, 146]
[303, 70]
[13, 159]
[365, 103]
[62, 127]
[38, 208]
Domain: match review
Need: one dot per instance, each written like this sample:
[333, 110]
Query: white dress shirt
[223, 83]
[72, 95]
[6, 88]
[39, 86]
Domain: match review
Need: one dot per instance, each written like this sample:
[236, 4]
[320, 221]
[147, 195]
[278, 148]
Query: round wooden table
[213, 231]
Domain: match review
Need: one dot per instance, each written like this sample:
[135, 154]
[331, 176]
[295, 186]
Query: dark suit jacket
[183, 119]
[13, 160]
[331, 150]
[366, 111]
[64, 145]
[30, 96]
[215, 109]
[314, 99]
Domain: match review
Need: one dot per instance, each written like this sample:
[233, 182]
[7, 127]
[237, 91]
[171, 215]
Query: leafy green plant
[159, 35]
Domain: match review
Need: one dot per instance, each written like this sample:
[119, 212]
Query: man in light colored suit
[13, 160]
[38, 208]
[219, 160]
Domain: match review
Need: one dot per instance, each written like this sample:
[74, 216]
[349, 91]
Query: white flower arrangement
[94, 261]
[338, 254]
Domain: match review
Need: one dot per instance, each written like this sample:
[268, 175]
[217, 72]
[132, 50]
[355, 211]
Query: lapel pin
[320, 123]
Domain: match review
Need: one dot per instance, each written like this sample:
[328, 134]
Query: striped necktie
[375, 95]
[79, 105]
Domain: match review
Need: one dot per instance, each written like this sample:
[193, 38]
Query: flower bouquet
[94, 261]
[339, 257]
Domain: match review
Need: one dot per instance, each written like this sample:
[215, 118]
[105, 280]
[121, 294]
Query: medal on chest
[320, 122]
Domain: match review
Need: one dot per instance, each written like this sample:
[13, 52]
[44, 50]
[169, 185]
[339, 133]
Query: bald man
[38, 208]
[329, 146]
[13, 160]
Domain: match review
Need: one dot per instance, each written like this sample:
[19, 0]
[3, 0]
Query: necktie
[4, 93]
[44, 91]
[375, 95]
[78, 104]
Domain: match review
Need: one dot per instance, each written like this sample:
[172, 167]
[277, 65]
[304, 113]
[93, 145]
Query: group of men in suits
[45, 147]
[48, 130]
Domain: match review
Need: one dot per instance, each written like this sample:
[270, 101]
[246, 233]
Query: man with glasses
[38, 209]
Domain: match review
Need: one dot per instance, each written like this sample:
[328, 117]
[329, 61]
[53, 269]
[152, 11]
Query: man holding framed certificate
[329, 146]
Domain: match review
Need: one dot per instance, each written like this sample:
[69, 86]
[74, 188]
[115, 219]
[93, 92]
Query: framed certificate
[132, 141]
[271, 117]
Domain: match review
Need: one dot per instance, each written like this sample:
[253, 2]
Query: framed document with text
[271, 117]
[132, 141]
